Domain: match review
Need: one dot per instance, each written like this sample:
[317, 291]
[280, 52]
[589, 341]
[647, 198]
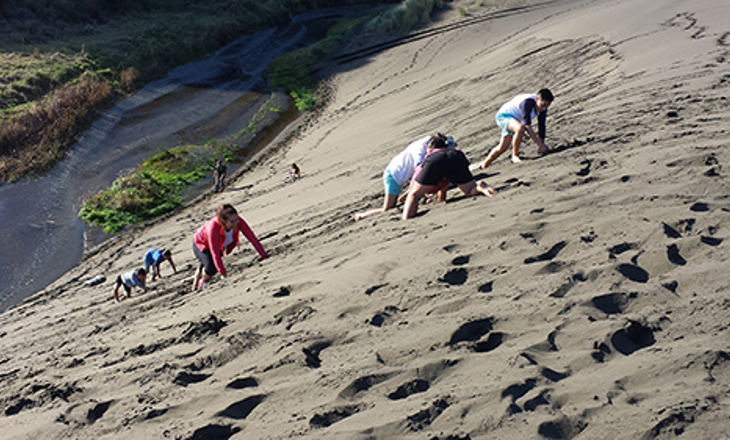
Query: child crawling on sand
[130, 280]
[154, 257]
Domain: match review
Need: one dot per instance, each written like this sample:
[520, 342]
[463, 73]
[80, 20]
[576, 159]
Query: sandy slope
[589, 300]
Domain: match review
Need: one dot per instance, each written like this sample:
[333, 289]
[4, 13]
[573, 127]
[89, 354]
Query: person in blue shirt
[515, 119]
[154, 257]
[130, 280]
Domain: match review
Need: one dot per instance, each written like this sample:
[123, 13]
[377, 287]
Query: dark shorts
[121, 283]
[447, 164]
[206, 260]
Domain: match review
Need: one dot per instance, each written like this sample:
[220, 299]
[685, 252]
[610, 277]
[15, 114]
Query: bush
[39, 135]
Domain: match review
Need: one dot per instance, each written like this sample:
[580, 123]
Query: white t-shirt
[229, 237]
[402, 166]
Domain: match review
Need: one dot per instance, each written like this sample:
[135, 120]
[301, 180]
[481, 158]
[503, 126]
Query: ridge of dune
[588, 300]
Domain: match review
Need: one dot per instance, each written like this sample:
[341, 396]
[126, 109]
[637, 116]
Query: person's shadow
[241, 188]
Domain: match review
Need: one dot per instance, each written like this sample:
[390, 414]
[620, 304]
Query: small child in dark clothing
[131, 279]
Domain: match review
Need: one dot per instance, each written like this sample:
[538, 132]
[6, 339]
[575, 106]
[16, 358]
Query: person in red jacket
[217, 237]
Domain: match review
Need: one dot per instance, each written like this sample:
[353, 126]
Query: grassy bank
[155, 188]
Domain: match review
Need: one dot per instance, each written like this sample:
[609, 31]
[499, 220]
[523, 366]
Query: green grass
[155, 188]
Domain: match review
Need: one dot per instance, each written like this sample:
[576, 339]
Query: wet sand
[588, 300]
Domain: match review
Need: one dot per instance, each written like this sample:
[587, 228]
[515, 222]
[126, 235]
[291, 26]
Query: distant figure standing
[219, 236]
[154, 257]
[219, 174]
[515, 118]
[130, 280]
[294, 173]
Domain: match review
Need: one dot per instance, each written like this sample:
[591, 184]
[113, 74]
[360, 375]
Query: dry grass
[37, 137]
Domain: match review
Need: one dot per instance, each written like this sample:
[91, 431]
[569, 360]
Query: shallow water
[41, 235]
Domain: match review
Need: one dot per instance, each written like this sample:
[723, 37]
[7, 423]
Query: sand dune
[588, 300]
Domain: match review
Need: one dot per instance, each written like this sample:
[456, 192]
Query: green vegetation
[293, 71]
[155, 188]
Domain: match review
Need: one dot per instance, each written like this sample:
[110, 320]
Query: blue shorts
[391, 186]
[503, 120]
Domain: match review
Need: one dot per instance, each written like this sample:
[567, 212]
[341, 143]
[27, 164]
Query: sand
[588, 300]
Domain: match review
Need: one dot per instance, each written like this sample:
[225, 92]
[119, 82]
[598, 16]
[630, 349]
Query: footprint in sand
[461, 260]
[455, 277]
[620, 249]
[408, 388]
[563, 428]
[331, 417]
[613, 303]
[184, 378]
[423, 419]
[515, 391]
[711, 241]
[472, 331]
[671, 286]
[244, 382]
[214, 432]
[363, 384]
[493, 341]
[633, 338]
[240, 410]
[312, 352]
[633, 272]
[552, 375]
[670, 231]
[673, 255]
[537, 401]
[384, 317]
[549, 255]
[586, 170]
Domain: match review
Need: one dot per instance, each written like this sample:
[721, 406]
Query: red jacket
[212, 235]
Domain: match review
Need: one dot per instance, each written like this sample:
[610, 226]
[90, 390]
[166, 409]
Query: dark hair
[167, 253]
[140, 271]
[546, 95]
[438, 140]
[225, 211]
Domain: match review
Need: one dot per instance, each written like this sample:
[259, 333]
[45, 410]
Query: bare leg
[473, 188]
[196, 280]
[497, 151]
[519, 131]
[388, 203]
[414, 195]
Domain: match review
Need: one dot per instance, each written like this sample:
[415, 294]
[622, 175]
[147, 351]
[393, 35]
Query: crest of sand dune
[587, 300]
